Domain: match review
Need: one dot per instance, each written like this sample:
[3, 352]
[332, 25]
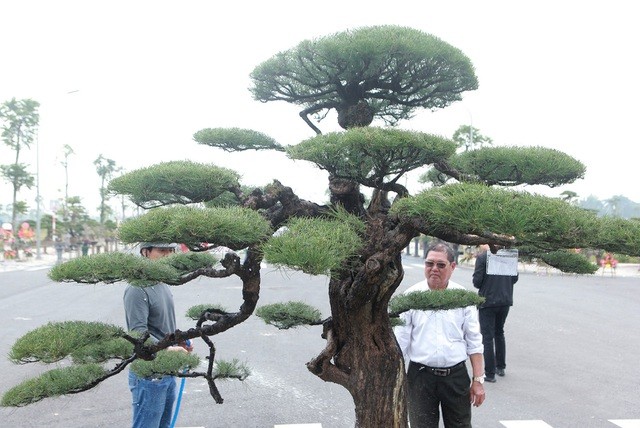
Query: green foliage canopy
[195, 312]
[618, 235]
[289, 314]
[510, 166]
[233, 227]
[433, 300]
[231, 369]
[484, 211]
[57, 340]
[20, 120]
[53, 383]
[369, 155]
[566, 261]
[170, 363]
[313, 245]
[140, 271]
[17, 175]
[392, 69]
[236, 139]
[177, 182]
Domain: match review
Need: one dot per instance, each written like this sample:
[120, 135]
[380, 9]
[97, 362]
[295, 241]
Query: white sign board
[504, 262]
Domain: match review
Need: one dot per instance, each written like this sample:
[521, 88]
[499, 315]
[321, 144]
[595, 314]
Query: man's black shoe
[500, 372]
[491, 379]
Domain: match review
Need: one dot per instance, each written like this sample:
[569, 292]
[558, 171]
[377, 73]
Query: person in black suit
[498, 292]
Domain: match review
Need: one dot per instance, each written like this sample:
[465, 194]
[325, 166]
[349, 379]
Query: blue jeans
[152, 401]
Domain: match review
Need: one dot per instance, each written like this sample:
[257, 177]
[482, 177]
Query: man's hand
[185, 346]
[476, 395]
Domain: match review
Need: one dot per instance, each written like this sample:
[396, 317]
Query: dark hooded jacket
[496, 289]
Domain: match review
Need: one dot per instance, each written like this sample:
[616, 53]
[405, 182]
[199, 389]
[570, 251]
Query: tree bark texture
[362, 354]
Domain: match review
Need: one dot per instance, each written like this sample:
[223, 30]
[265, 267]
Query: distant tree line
[616, 206]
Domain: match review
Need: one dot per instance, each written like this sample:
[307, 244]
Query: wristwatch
[479, 379]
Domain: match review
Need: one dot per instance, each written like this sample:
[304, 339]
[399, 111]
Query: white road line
[622, 423]
[526, 424]
[626, 423]
[298, 426]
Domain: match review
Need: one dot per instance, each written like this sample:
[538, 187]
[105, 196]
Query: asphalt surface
[572, 352]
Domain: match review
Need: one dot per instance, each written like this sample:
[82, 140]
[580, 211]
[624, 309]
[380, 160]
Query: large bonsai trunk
[362, 353]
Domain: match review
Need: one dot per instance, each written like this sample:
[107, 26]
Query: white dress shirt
[441, 338]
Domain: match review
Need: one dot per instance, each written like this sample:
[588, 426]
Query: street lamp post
[38, 199]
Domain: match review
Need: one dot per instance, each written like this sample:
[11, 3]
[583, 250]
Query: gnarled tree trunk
[362, 354]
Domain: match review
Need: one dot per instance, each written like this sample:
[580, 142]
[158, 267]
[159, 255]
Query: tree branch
[321, 365]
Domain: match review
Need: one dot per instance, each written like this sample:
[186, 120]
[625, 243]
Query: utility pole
[38, 219]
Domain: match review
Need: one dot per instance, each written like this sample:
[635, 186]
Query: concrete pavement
[30, 263]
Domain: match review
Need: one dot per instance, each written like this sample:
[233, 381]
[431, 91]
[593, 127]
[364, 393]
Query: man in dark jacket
[498, 292]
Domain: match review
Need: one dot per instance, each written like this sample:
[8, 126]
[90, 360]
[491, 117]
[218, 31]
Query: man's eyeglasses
[440, 265]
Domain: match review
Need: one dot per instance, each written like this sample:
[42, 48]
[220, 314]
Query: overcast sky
[134, 80]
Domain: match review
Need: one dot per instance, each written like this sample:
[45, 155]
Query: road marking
[622, 423]
[626, 423]
[526, 424]
[298, 426]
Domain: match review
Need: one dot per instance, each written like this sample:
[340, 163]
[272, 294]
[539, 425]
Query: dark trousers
[492, 328]
[428, 392]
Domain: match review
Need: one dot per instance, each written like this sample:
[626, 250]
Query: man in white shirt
[437, 345]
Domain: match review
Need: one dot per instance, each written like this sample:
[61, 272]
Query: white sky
[149, 74]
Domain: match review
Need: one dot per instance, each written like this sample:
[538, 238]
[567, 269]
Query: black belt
[440, 371]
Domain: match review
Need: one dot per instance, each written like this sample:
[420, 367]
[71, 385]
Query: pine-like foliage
[289, 314]
[314, 246]
[53, 383]
[57, 340]
[433, 300]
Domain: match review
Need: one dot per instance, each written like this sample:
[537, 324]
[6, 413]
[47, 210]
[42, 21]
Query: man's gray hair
[157, 245]
[440, 247]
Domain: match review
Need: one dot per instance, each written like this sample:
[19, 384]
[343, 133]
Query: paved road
[571, 358]
[572, 342]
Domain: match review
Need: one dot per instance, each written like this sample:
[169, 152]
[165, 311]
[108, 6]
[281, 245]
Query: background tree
[468, 138]
[46, 222]
[381, 72]
[592, 204]
[105, 169]
[613, 206]
[569, 196]
[20, 120]
[621, 206]
[74, 223]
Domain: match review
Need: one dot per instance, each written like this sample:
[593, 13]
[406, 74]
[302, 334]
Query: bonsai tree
[370, 74]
